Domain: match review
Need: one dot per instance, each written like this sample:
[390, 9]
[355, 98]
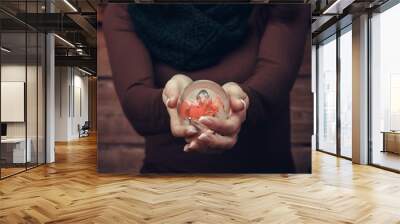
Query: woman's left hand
[221, 135]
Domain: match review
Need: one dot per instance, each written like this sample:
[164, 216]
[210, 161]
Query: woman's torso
[265, 149]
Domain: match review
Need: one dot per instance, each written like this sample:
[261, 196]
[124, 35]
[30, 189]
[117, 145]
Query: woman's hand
[171, 93]
[221, 135]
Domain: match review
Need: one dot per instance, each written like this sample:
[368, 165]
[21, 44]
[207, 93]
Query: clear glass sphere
[203, 98]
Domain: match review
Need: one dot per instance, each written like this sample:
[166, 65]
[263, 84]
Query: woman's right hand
[171, 93]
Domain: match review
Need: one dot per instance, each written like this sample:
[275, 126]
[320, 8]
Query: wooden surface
[391, 142]
[7, 171]
[71, 191]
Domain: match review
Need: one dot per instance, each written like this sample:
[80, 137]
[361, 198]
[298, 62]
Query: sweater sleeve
[133, 73]
[280, 55]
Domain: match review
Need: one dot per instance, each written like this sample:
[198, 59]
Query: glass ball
[203, 98]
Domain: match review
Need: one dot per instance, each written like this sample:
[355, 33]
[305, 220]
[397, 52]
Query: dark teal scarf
[189, 36]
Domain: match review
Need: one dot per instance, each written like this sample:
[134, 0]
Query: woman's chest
[236, 66]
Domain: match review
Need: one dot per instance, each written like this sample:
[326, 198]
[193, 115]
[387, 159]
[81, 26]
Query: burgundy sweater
[265, 66]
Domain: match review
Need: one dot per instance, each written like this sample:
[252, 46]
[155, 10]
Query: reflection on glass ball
[203, 98]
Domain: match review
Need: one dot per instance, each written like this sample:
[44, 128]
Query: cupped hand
[220, 135]
[171, 93]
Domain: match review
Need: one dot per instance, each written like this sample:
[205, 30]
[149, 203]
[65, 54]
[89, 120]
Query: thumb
[172, 101]
[237, 104]
[237, 96]
[171, 95]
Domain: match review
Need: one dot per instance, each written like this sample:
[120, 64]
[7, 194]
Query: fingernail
[204, 119]
[244, 103]
[210, 132]
[186, 148]
[167, 101]
[191, 130]
[189, 147]
[203, 136]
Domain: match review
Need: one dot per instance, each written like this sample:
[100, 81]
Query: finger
[199, 126]
[238, 109]
[189, 140]
[191, 137]
[186, 148]
[171, 99]
[238, 98]
[184, 131]
[181, 78]
[180, 130]
[171, 94]
[217, 141]
[234, 90]
[172, 102]
[224, 127]
[190, 131]
[237, 104]
[195, 146]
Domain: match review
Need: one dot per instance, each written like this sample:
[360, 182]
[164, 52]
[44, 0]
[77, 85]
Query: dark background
[121, 149]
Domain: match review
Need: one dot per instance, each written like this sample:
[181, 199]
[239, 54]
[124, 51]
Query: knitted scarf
[190, 36]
